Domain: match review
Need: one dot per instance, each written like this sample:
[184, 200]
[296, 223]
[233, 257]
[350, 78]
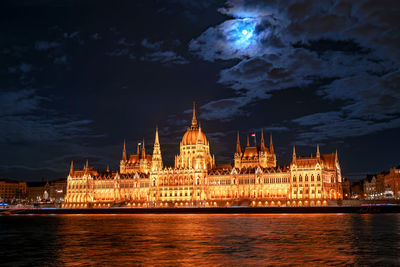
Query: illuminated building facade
[254, 179]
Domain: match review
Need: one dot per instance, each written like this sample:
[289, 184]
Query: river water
[217, 240]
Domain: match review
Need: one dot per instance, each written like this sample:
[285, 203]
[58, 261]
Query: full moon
[244, 32]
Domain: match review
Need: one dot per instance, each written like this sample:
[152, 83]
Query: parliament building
[253, 180]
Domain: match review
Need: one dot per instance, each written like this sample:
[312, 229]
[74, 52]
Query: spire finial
[271, 145]
[87, 164]
[124, 151]
[143, 150]
[238, 148]
[199, 139]
[157, 140]
[194, 120]
[262, 145]
[318, 155]
[248, 141]
[108, 168]
[294, 152]
[71, 169]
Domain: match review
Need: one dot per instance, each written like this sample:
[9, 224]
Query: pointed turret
[248, 141]
[238, 148]
[318, 155]
[199, 139]
[87, 164]
[194, 120]
[138, 150]
[143, 150]
[108, 168]
[124, 152]
[156, 141]
[156, 163]
[294, 154]
[271, 145]
[71, 169]
[262, 146]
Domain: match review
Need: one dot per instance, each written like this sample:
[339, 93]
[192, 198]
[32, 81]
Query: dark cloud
[165, 57]
[289, 49]
[43, 45]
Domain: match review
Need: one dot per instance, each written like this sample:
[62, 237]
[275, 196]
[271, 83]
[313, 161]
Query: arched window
[312, 177]
[300, 179]
[306, 178]
[332, 179]
[294, 178]
[318, 178]
[197, 181]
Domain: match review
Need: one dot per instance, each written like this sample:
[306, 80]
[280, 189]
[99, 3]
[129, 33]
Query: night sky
[79, 77]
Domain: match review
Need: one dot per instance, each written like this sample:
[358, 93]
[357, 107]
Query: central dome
[192, 133]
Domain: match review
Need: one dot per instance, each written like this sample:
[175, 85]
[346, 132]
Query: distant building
[369, 187]
[37, 191]
[49, 191]
[57, 190]
[392, 183]
[196, 180]
[11, 190]
[357, 190]
[346, 189]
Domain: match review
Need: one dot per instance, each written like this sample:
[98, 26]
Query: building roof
[9, 181]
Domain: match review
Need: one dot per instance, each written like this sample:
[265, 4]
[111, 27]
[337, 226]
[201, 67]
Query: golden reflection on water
[328, 239]
[222, 240]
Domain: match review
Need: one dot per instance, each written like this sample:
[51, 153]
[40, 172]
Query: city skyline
[77, 81]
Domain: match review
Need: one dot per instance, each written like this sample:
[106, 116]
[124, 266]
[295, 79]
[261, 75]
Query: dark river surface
[216, 240]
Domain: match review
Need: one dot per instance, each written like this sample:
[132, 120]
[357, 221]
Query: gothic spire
[87, 164]
[248, 141]
[143, 150]
[156, 163]
[318, 155]
[294, 153]
[194, 120]
[156, 141]
[238, 149]
[71, 169]
[138, 151]
[124, 152]
[262, 145]
[271, 145]
[199, 139]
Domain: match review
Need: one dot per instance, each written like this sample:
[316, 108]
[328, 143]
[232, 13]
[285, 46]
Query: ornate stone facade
[195, 180]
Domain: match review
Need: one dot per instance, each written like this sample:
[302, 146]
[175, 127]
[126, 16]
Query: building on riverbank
[11, 190]
[195, 180]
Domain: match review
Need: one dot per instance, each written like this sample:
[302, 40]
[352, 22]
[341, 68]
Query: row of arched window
[306, 178]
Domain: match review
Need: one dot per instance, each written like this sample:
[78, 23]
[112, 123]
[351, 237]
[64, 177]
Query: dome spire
[199, 137]
[194, 120]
